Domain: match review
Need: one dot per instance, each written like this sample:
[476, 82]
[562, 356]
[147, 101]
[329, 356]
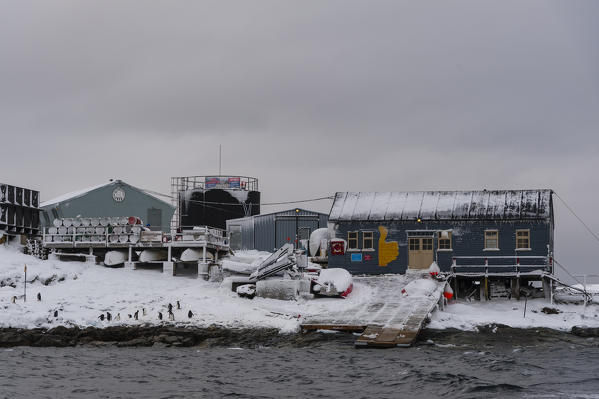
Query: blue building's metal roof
[443, 205]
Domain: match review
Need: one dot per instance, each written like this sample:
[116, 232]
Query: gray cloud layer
[311, 97]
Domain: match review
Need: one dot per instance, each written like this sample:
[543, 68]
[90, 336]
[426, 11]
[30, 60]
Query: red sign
[337, 248]
[367, 257]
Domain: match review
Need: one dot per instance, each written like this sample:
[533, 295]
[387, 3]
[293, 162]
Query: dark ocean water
[521, 363]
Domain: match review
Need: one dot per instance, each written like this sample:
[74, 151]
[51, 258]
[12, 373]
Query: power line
[228, 203]
[577, 217]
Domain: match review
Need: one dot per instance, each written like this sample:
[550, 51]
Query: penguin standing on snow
[56, 313]
[118, 317]
[171, 315]
[13, 299]
[190, 314]
[170, 308]
[101, 317]
[178, 305]
[130, 315]
[159, 315]
[39, 296]
[108, 316]
[136, 315]
[143, 311]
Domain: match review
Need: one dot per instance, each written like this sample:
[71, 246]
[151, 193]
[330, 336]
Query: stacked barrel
[19, 210]
[111, 230]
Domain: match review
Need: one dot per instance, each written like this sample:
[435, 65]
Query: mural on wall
[388, 250]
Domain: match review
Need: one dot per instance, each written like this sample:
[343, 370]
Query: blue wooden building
[486, 232]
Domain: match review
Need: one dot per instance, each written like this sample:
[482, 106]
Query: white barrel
[113, 258]
[80, 230]
[70, 229]
[104, 222]
[90, 230]
[95, 222]
[136, 229]
[113, 238]
[113, 220]
[52, 230]
[97, 238]
[86, 238]
[117, 230]
[67, 222]
[86, 222]
[49, 238]
[123, 220]
[100, 230]
[134, 238]
[57, 222]
[77, 222]
[123, 238]
[63, 230]
[127, 229]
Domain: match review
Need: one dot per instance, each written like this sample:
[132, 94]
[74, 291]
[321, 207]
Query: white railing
[518, 262]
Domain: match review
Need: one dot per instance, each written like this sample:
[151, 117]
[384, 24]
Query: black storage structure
[212, 200]
[19, 210]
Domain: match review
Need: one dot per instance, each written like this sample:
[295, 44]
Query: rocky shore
[172, 336]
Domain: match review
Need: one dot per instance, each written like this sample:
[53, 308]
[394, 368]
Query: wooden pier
[388, 318]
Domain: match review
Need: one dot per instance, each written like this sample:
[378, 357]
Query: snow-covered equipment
[434, 269]
[193, 255]
[283, 259]
[114, 258]
[333, 282]
[283, 289]
[246, 291]
[152, 255]
[317, 239]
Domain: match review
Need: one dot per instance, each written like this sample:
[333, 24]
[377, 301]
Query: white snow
[420, 287]
[469, 315]
[87, 290]
[316, 239]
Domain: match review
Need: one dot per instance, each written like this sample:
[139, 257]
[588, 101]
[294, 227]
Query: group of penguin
[171, 315]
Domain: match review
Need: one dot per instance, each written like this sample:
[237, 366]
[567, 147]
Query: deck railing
[501, 264]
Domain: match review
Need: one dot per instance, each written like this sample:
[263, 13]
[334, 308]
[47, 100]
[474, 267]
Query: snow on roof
[82, 192]
[442, 205]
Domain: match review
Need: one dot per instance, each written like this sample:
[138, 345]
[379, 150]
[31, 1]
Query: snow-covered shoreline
[80, 292]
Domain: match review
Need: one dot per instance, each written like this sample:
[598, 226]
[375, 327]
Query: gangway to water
[388, 318]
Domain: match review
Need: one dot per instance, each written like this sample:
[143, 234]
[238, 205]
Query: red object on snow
[404, 292]
[448, 292]
[434, 269]
[347, 291]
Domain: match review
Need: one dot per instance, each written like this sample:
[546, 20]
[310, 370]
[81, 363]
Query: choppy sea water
[486, 365]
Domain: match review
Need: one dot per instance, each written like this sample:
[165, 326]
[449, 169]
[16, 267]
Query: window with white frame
[491, 239]
[352, 240]
[367, 240]
[444, 240]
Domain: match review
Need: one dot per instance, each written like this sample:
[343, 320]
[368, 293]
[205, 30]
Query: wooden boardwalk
[388, 318]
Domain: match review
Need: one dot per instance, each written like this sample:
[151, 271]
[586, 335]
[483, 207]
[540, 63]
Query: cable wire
[577, 217]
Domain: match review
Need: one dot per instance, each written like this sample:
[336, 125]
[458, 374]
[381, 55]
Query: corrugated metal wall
[273, 230]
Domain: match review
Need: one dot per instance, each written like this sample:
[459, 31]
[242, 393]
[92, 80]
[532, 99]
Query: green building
[115, 198]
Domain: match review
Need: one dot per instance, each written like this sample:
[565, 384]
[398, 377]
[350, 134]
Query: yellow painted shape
[388, 250]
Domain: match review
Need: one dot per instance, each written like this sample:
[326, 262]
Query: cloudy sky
[311, 97]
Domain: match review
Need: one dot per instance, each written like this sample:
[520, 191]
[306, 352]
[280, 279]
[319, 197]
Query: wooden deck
[388, 319]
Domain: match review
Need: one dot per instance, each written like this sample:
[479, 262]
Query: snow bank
[420, 287]
[469, 315]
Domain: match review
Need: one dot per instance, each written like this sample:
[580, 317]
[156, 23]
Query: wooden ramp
[388, 319]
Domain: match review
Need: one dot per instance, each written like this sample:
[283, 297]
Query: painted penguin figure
[108, 316]
[39, 296]
[190, 314]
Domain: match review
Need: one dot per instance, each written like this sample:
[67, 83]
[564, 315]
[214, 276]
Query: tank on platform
[212, 200]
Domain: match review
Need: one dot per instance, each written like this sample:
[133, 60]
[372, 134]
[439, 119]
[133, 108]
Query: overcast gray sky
[311, 97]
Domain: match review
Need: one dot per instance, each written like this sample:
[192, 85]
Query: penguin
[136, 315]
[56, 313]
[170, 308]
[190, 314]
[108, 316]
[171, 316]
[118, 317]
[130, 316]
[14, 299]
[143, 311]
[159, 315]
[39, 296]
[101, 317]
[178, 305]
